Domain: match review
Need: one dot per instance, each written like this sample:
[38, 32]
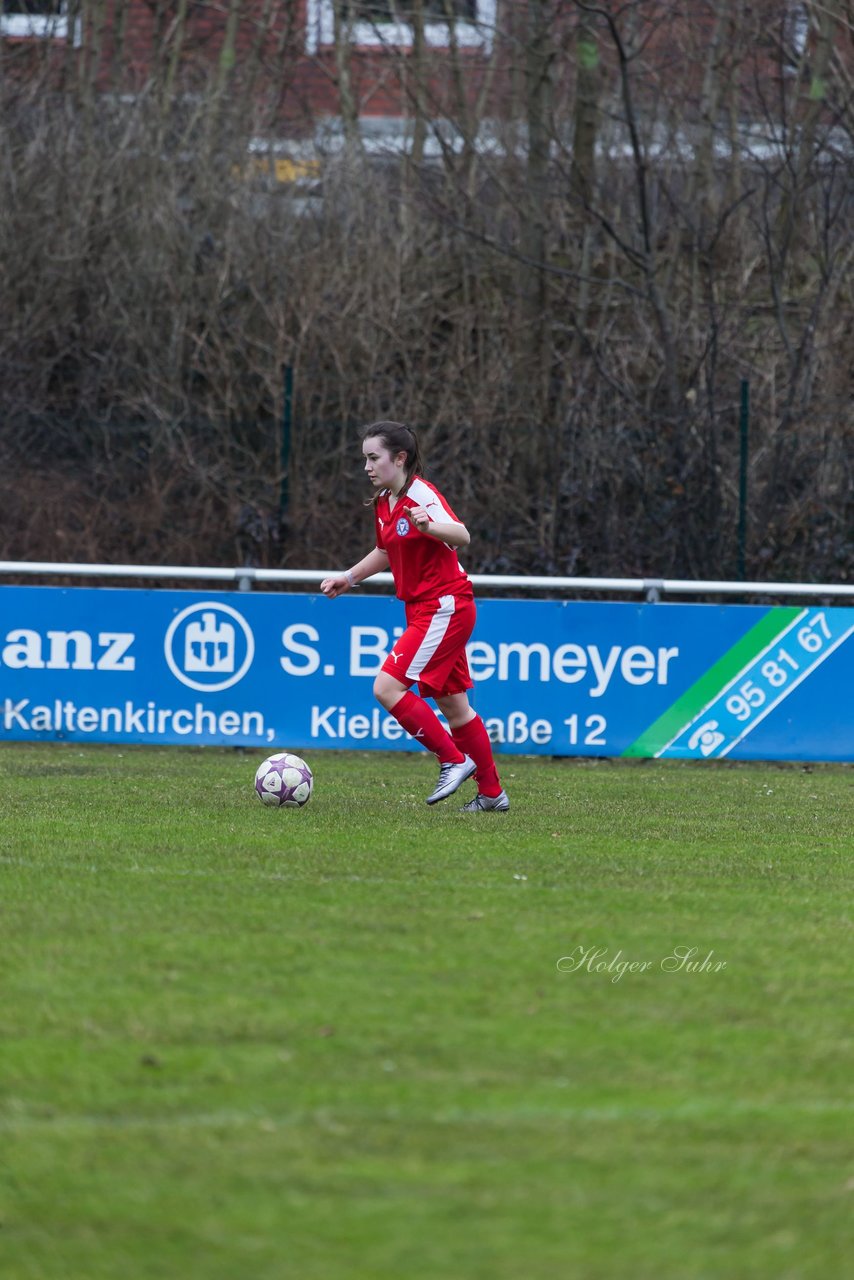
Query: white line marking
[700, 1109]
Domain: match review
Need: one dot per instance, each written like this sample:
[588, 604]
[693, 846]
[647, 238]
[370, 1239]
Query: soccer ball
[284, 780]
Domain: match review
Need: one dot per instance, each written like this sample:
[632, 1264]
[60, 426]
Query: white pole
[651, 587]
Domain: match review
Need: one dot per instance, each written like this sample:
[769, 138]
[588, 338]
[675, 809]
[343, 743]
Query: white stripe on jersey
[421, 493]
[433, 637]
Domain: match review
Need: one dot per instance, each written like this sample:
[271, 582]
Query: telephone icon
[707, 737]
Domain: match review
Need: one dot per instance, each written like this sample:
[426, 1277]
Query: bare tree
[564, 300]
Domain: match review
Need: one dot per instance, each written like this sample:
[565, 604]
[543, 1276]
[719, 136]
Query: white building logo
[209, 646]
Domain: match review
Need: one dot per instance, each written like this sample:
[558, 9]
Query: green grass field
[336, 1044]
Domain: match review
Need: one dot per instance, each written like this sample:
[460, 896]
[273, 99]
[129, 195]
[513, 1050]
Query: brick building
[305, 63]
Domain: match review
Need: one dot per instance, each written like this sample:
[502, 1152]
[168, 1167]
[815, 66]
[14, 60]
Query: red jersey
[423, 568]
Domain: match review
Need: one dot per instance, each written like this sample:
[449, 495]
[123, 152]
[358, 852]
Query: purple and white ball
[284, 781]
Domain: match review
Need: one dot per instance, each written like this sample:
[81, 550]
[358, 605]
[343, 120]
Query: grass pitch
[336, 1044]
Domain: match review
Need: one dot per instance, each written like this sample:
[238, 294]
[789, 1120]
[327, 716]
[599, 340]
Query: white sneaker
[451, 776]
[499, 803]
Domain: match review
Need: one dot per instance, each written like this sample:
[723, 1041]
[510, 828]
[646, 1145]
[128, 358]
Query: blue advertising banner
[551, 677]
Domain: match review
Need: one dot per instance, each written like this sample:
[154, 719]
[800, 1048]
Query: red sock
[473, 740]
[423, 723]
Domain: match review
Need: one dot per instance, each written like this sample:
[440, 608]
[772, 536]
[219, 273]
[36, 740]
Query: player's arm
[449, 531]
[374, 562]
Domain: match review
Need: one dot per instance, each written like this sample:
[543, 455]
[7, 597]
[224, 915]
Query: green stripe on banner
[709, 685]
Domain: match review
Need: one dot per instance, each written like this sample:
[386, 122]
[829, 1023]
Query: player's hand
[419, 518]
[333, 587]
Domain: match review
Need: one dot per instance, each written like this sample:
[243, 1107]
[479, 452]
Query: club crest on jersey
[402, 527]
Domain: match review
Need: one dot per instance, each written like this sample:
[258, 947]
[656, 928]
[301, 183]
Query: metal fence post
[743, 425]
[285, 450]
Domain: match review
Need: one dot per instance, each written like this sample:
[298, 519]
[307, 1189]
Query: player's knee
[379, 688]
[456, 709]
[386, 690]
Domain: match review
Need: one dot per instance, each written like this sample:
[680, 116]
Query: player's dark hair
[397, 438]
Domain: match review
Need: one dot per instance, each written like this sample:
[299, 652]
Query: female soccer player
[417, 537]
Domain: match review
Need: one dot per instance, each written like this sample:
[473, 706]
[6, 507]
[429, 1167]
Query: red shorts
[432, 649]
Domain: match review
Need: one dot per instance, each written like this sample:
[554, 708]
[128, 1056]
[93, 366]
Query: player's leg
[417, 718]
[469, 733]
[436, 633]
[421, 722]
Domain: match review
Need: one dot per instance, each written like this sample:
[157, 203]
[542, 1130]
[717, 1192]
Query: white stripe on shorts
[433, 637]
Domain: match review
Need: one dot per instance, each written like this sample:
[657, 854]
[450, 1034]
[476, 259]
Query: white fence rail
[651, 588]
